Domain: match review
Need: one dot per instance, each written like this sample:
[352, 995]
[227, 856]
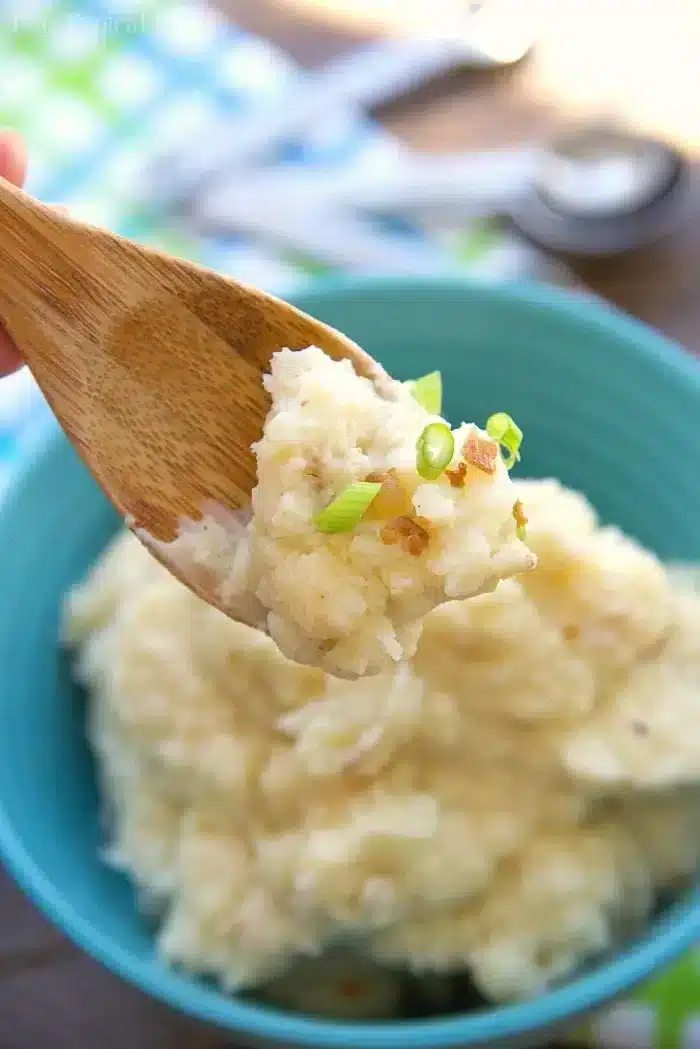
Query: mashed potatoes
[510, 802]
[351, 602]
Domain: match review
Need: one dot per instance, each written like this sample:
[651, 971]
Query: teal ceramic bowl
[606, 405]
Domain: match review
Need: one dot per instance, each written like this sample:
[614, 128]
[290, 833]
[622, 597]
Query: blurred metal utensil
[407, 182]
[600, 191]
[360, 80]
[593, 191]
[334, 236]
[599, 171]
[593, 174]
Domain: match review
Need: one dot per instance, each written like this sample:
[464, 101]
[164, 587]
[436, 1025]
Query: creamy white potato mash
[337, 582]
[510, 800]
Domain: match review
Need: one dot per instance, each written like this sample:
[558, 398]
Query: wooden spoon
[152, 365]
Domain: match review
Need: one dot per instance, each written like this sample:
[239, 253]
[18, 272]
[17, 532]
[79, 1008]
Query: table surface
[51, 995]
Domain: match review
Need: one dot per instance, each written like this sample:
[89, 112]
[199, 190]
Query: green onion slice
[428, 392]
[435, 448]
[347, 509]
[500, 427]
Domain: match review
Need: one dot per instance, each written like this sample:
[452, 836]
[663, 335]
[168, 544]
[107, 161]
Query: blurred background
[280, 140]
[283, 140]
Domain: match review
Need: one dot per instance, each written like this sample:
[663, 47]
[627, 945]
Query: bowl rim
[669, 936]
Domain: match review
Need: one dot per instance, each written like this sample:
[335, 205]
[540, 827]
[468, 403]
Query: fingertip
[13, 156]
[13, 167]
[10, 359]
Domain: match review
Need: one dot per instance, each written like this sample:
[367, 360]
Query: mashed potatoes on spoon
[369, 512]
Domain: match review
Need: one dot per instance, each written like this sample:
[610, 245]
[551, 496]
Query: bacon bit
[457, 477]
[392, 501]
[391, 533]
[481, 451]
[520, 518]
[409, 532]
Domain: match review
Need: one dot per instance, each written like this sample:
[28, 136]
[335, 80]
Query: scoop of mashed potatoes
[510, 801]
[352, 601]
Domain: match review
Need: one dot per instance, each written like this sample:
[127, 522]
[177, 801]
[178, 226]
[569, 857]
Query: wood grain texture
[152, 365]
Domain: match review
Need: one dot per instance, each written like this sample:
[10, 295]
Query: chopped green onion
[348, 509]
[500, 427]
[428, 392]
[435, 448]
